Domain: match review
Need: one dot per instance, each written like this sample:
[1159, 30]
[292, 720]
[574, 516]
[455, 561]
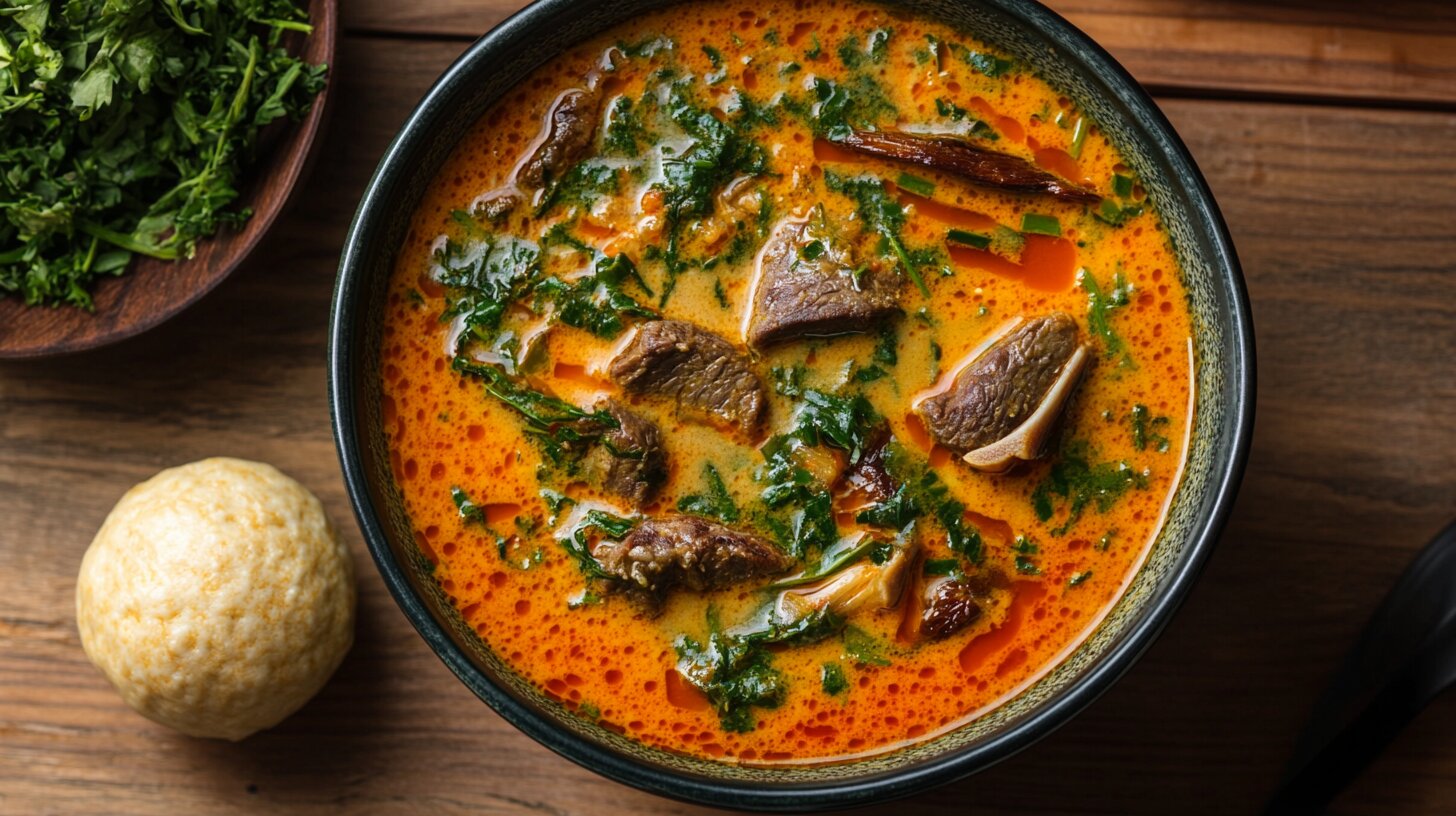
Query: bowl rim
[835, 793]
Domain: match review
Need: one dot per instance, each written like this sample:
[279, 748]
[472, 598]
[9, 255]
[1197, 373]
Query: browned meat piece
[969, 161]
[568, 133]
[869, 480]
[686, 551]
[694, 368]
[629, 459]
[950, 606]
[497, 204]
[1004, 401]
[808, 287]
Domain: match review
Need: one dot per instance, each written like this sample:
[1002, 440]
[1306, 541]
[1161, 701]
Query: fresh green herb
[942, 567]
[1105, 541]
[714, 503]
[834, 109]
[887, 347]
[577, 545]
[1100, 307]
[719, 294]
[1037, 224]
[1145, 429]
[814, 50]
[561, 428]
[1025, 548]
[879, 43]
[483, 275]
[1109, 212]
[735, 670]
[976, 128]
[864, 647]
[625, 133]
[1075, 482]
[882, 214]
[922, 494]
[414, 297]
[846, 423]
[869, 374]
[128, 129]
[832, 680]
[719, 154]
[649, 47]
[988, 64]
[851, 53]
[970, 239]
[917, 185]
[771, 36]
[834, 558]
[812, 250]
[813, 528]
[595, 302]
[470, 512]
[555, 501]
[581, 186]
[1121, 185]
[788, 381]
[714, 55]
[1079, 578]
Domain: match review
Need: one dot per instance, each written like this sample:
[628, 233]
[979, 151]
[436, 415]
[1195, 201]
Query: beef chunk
[694, 368]
[994, 394]
[629, 459]
[969, 161]
[950, 606]
[808, 287]
[568, 132]
[687, 551]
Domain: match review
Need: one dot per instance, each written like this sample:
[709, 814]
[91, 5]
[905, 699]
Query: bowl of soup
[789, 404]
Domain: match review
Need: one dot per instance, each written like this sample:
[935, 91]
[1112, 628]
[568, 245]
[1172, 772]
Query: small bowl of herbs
[145, 148]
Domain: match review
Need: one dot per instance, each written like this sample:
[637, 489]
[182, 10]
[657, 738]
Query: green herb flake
[1100, 308]
[1075, 483]
[1038, 224]
[1079, 137]
[131, 129]
[1121, 185]
[1146, 428]
[917, 185]
[832, 679]
[970, 239]
[864, 648]
[715, 502]
[1079, 578]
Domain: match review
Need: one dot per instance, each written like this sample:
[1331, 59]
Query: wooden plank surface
[1343, 219]
[1381, 53]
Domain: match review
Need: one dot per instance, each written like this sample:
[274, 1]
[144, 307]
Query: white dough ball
[217, 598]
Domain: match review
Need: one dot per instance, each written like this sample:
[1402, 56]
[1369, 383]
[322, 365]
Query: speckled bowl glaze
[1222, 422]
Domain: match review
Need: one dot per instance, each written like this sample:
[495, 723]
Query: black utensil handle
[1429, 672]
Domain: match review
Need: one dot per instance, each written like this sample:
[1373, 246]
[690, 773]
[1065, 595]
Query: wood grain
[1343, 221]
[153, 290]
[1373, 53]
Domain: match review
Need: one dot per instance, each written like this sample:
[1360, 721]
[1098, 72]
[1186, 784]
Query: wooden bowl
[152, 290]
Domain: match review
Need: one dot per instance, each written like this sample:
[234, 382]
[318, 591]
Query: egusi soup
[784, 382]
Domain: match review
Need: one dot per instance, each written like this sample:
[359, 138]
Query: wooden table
[1327, 131]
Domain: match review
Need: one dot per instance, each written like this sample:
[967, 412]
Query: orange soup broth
[607, 660]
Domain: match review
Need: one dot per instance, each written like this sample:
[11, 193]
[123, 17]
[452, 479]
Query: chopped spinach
[882, 214]
[1025, 548]
[1145, 429]
[735, 669]
[1075, 482]
[576, 543]
[715, 502]
[595, 302]
[864, 647]
[1100, 306]
[832, 679]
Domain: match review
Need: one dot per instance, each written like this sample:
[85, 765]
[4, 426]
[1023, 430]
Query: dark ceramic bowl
[1222, 420]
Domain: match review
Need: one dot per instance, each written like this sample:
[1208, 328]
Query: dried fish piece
[970, 161]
